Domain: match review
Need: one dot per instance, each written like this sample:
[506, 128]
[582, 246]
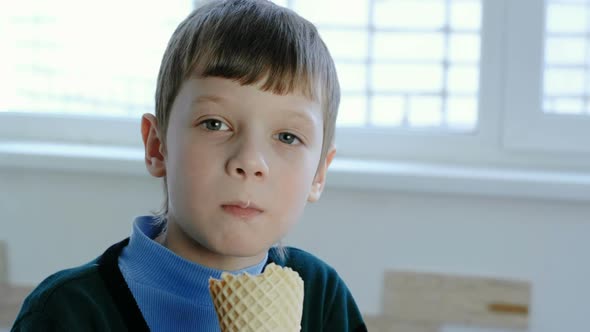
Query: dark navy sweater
[96, 297]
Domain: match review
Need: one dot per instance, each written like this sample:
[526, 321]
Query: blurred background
[463, 143]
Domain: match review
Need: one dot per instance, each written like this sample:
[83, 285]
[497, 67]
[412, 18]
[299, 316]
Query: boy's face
[230, 146]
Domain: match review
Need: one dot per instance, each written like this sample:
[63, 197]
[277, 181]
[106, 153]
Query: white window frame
[526, 126]
[484, 161]
[512, 131]
[351, 142]
[74, 129]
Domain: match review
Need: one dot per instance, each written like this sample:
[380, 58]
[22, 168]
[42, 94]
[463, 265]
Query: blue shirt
[172, 293]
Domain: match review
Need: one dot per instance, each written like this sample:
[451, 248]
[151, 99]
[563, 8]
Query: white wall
[54, 220]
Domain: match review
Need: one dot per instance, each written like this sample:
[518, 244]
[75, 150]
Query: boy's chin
[241, 250]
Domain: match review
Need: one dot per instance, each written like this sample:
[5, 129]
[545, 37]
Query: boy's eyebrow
[301, 115]
[210, 98]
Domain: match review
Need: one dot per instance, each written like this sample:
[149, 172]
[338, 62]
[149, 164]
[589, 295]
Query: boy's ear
[319, 181]
[154, 155]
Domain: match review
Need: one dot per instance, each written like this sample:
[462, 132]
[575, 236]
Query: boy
[246, 105]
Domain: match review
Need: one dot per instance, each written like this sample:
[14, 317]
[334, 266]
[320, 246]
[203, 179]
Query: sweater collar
[150, 263]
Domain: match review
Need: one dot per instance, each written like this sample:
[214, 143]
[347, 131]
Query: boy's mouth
[240, 209]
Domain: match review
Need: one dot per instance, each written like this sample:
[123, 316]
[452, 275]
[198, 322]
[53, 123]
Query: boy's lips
[245, 210]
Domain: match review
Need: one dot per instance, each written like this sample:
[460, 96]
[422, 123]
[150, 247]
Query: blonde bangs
[288, 59]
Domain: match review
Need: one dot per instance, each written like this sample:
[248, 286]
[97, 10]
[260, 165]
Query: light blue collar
[148, 262]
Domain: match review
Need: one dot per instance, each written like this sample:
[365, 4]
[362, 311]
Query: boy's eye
[214, 125]
[288, 138]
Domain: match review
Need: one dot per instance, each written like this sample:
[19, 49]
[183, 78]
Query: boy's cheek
[297, 188]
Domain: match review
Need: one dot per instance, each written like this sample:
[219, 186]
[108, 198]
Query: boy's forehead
[305, 84]
[227, 92]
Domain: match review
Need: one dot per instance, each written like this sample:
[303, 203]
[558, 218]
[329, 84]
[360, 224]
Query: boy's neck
[182, 245]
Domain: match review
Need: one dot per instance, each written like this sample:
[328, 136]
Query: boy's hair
[249, 41]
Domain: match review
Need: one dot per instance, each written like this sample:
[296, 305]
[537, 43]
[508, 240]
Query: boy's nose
[247, 163]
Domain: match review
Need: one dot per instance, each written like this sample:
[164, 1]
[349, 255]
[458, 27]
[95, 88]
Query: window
[74, 57]
[86, 67]
[566, 87]
[401, 72]
[492, 82]
[550, 47]
[403, 63]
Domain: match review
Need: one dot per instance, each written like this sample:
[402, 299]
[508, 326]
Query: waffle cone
[272, 301]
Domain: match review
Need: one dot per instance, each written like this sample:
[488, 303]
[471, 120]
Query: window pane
[388, 111]
[564, 17]
[407, 14]
[352, 77]
[464, 48]
[461, 113]
[569, 105]
[425, 112]
[565, 105]
[346, 44]
[420, 49]
[566, 79]
[282, 3]
[65, 62]
[324, 12]
[405, 58]
[565, 50]
[417, 78]
[463, 79]
[352, 111]
[466, 14]
[408, 46]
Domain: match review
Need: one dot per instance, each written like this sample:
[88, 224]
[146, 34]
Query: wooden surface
[3, 263]
[471, 301]
[11, 299]
[388, 324]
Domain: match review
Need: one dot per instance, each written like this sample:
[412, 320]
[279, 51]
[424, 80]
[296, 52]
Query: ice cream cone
[271, 301]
